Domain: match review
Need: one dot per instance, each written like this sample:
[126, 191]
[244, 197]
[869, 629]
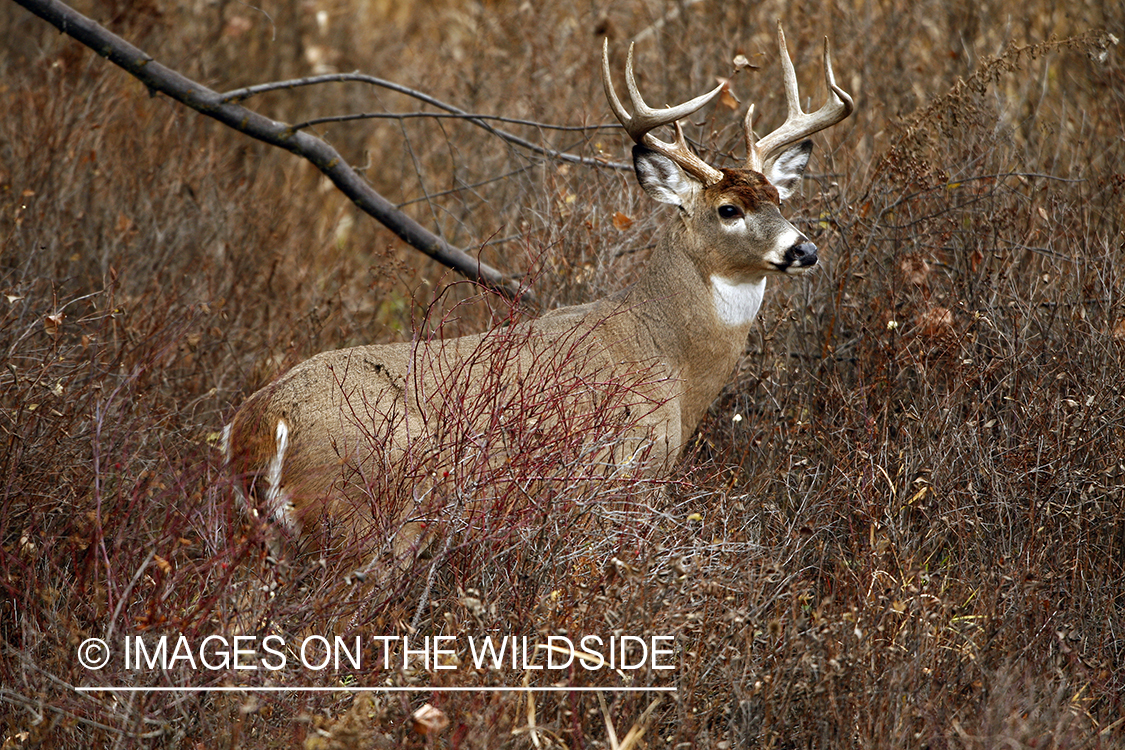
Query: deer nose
[802, 255]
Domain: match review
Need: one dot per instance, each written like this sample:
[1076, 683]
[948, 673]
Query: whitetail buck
[314, 447]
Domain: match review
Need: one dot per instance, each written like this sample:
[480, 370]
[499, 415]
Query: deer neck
[698, 322]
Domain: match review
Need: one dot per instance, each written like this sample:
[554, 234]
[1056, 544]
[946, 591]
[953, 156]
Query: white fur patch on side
[737, 304]
[224, 443]
[276, 501]
[225, 447]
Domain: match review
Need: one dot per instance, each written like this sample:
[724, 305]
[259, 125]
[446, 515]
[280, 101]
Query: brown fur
[749, 189]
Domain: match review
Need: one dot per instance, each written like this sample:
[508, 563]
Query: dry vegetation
[903, 524]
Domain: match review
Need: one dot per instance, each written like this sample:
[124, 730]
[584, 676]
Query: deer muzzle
[800, 257]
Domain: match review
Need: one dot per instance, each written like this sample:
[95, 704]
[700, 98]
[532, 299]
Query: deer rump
[371, 449]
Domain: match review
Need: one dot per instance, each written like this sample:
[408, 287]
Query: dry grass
[912, 536]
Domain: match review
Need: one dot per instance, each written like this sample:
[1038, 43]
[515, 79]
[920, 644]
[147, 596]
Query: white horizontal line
[343, 689]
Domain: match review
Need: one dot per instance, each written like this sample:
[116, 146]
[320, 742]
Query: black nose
[802, 254]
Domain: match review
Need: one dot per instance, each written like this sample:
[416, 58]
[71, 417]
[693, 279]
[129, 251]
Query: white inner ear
[662, 179]
[786, 170]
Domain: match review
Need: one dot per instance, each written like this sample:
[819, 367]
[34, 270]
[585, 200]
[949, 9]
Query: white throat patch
[737, 304]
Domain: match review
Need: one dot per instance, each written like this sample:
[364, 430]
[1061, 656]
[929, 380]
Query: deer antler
[798, 123]
[645, 119]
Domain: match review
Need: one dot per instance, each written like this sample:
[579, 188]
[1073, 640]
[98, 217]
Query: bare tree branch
[159, 78]
[242, 94]
[451, 116]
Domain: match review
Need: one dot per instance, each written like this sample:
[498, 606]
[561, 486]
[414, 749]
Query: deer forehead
[748, 189]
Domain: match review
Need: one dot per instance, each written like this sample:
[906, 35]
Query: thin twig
[424, 600]
[244, 93]
[454, 116]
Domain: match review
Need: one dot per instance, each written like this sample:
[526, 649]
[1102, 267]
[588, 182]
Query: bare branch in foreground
[480, 121]
[159, 78]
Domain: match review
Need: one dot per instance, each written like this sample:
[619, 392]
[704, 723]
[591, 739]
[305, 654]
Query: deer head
[732, 213]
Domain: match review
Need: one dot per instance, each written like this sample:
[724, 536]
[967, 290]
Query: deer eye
[727, 211]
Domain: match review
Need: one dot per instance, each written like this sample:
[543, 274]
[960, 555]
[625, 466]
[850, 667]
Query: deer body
[305, 447]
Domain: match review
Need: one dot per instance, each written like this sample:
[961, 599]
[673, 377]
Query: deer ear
[785, 171]
[662, 178]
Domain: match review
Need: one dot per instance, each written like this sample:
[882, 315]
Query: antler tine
[619, 111]
[789, 76]
[798, 124]
[645, 119]
[748, 131]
